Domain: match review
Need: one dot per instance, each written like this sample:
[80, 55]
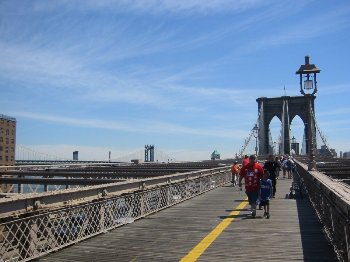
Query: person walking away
[252, 174]
[235, 172]
[284, 166]
[278, 162]
[293, 164]
[289, 165]
[273, 168]
[265, 194]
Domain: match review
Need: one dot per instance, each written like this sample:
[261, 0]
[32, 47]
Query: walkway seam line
[198, 250]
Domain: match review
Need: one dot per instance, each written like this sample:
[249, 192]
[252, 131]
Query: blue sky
[99, 76]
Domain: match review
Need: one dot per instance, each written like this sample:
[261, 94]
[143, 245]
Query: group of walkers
[261, 180]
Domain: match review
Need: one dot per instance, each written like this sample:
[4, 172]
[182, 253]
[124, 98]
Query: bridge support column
[286, 127]
[311, 135]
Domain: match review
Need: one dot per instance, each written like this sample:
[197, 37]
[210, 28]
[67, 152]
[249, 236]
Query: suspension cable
[247, 140]
[324, 140]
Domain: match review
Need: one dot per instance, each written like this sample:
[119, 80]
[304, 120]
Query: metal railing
[24, 239]
[330, 200]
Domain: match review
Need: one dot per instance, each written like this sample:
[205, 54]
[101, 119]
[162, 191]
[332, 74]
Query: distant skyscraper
[303, 147]
[7, 145]
[346, 154]
[75, 155]
[295, 146]
[325, 151]
[7, 140]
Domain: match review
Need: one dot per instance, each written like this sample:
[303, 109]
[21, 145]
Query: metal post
[347, 242]
[19, 186]
[142, 205]
[331, 213]
[312, 163]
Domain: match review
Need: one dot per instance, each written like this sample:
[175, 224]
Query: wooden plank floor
[291, 234]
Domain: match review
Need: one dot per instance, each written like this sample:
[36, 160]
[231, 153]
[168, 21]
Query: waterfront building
[346, 155]
[76, 155]
[7, 140]
[326, 152]
[7, 144]
[215, 155]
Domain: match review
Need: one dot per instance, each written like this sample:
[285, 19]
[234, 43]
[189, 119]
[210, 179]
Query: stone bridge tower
[285, 108]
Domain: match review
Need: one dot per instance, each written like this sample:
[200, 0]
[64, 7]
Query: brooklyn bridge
[183, 211]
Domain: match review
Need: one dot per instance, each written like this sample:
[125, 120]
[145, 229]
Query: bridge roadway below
[222, 218]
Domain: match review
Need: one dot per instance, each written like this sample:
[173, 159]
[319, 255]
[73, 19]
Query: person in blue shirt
[265, 193]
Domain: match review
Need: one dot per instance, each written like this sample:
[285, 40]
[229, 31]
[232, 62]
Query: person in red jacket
[252, 173]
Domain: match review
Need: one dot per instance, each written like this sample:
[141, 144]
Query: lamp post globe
[308, 87]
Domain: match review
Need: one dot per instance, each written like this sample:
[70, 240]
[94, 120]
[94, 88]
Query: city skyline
[100, 76]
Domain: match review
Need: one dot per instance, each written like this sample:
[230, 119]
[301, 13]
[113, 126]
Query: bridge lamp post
[256, 134]
[308, 88]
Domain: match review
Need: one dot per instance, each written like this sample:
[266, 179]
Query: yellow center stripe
[198, 250]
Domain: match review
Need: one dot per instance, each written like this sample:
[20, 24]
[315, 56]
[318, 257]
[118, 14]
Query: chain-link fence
[31, 237]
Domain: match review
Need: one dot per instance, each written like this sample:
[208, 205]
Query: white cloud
[155, 7]
[335, 112]
[137, 126]
[155, 56]
[170, 6]
[305, 29]
[141, 87]
[334, 89]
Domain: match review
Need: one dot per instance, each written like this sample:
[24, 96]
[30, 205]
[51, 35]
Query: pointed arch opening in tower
[275, 136]
[297, 131]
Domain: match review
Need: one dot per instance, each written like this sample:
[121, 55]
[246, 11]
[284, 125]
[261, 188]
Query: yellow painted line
[198, 250]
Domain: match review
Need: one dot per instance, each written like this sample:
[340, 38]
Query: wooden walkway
[292, 233]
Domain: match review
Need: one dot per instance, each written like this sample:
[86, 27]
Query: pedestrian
[265, 194]
[252, 174]
[235, 168]
[278, 162]
[273, 168]
[284, 165]
[287, 166]
[292, 164]
[245, 160]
